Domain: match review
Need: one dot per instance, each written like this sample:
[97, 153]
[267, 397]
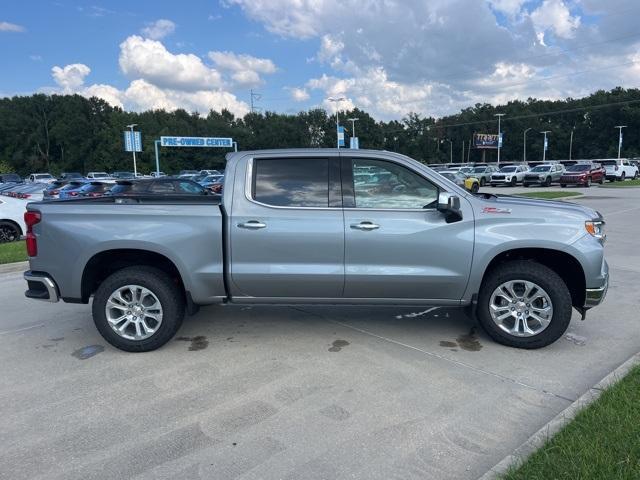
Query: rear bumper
[41, 287]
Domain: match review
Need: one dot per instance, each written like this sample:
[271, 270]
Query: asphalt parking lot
[304, 392]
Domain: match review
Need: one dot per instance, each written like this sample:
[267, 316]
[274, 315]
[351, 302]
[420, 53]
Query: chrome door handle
[252, 225]
[365, 226]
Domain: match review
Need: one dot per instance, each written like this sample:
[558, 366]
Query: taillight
[73, 194]
[30, 219]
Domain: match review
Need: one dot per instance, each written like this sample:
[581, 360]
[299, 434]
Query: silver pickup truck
[335, 227]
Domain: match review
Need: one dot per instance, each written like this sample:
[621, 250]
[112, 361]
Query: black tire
[163, 287]
[9, 232]
[475, 188]
[563, 185]
[543, 276]
[514, 181]
[525, 185]
[622, 177]
[587, 182]
[547, 182]
[601, 181]
[482, 181]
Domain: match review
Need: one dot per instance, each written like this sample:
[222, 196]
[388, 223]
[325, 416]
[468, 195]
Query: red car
[583, 174]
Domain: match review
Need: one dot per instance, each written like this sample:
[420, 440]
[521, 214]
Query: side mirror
[449, 204]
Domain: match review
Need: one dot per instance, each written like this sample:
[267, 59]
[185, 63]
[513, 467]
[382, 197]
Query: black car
[158, 186]
[10, 178]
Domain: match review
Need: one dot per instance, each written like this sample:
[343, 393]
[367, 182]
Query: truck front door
[287, 229]
[397, 245]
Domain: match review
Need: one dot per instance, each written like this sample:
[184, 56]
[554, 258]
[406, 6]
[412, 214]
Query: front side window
[292, 182]
[188, 187]
[387, 185]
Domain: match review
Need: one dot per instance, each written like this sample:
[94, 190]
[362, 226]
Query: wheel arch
[14, 223]
[102, 264]
[563, 263]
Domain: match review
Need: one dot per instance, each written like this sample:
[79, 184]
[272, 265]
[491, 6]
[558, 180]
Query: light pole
[133, 149]
[156, 143]
[353, 125]
[544, 146]
[499, 115]
[571, 142]
[338, 99]
[235, 146]
[524, 146]
[620, 127]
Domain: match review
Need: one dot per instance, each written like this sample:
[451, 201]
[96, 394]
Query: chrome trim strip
[595, 296]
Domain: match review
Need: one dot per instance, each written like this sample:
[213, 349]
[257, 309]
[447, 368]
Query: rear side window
[292, 182]
[188, 187]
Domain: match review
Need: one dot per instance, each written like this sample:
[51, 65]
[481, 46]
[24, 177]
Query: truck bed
[185, 230]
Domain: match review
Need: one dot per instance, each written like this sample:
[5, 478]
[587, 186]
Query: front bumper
[595, 296]
[41, 287]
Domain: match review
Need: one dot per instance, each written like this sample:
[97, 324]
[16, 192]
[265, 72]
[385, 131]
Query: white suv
[510, 175]
[619, 169]
[41, 178]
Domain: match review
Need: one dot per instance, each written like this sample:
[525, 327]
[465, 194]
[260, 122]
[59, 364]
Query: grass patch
[602, 442]
[548, 195]
[13, 252]
[626, 183]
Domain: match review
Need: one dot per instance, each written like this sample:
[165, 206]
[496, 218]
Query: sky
[387, 57]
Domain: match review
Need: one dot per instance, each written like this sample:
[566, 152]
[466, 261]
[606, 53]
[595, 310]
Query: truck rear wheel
[138, 309]
[524, 304]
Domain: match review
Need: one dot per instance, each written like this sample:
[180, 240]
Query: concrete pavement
[304, 392]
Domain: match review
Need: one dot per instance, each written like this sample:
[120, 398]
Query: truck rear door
[287, 228]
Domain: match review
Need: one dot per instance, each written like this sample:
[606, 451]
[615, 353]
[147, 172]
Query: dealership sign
[196, 142]
[487, 140]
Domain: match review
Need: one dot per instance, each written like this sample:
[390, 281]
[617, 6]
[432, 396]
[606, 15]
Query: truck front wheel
[524, 304]
[138, 309]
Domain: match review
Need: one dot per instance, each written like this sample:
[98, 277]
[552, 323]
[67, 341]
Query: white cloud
[11, 27]
[299, 94]
[149, 59]
[245, 69]
[71, 77]
[554, 15]
[159, 29]
[162, 80]
[109, 94]
[509, 7]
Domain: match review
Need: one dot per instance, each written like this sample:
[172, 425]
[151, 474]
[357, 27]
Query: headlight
[541, 177]
[507, 178]
[596, 229]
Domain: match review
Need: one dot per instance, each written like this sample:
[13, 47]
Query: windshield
[541, 168]
[43, 176]
[479, 170]
[508, 169]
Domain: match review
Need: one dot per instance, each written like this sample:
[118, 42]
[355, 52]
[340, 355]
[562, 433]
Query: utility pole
[337, 100]
[255, 97]
[499, 115]
[133, 149]
[524, 146]
[544, 147]
[462, 151]
[620, 127]
[571, 142]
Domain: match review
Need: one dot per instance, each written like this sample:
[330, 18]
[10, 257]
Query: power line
[255, 97]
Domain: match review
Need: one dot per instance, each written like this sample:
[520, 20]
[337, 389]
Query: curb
[14, 267]
[538, 439]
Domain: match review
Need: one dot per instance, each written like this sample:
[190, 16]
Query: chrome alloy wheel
[134, 312]
[521, 308]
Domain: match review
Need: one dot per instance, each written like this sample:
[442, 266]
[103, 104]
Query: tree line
[57, 133]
